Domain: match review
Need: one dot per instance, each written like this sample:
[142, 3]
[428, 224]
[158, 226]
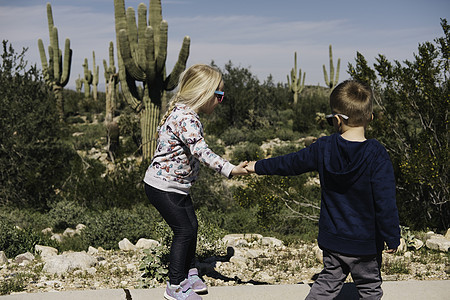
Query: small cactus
[332, 81]
[296, 85]
[79, 84]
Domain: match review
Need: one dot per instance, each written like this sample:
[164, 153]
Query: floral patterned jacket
[180, 149]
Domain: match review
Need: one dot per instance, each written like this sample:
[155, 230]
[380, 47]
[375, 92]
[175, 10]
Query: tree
[412, 122]
[32, 158]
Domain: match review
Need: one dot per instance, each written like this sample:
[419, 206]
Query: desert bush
[412, 101]
[33, 159]
[15, 240]
[247, 152]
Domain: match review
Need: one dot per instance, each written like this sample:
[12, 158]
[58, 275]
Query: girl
[175, 166]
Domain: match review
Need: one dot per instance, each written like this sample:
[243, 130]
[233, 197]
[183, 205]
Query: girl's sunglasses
[219, 95]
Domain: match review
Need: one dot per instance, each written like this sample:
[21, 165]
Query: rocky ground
[248, 262]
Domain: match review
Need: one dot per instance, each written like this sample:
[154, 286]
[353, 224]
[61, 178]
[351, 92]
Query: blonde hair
[353, 99]
[196, 87]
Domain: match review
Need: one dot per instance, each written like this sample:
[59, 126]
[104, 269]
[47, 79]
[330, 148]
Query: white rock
[126, 245]
[92, 251]
[91, 270]
[318, 253]
[67, 262]
[146, 243]
[56, 237]
[438, 242]
[447, 234]
[69, 232]
[23, 257]
[47, 230]
[3, 258]
[402, 247]
[417, 244]
[45, 251]
[271, 241]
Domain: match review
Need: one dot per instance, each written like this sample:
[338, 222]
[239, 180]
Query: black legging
[178, 211]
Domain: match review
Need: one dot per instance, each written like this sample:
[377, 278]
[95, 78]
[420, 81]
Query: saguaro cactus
[142, 52]
[56, 72]
[87, 80]
[111, 80]
[296, 85]
[95, 69]
[79, 84]
[332, 81]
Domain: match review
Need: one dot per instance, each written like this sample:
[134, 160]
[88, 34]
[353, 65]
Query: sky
[259, 35]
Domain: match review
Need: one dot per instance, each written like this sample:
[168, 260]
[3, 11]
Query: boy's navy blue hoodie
[358, 211]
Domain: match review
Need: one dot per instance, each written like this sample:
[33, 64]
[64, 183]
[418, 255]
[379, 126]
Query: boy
[358, 207]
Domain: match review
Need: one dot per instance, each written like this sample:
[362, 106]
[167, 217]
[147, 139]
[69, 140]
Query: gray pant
[365, 272]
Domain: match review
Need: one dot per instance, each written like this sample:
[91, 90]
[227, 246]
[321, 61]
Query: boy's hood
[345, 160]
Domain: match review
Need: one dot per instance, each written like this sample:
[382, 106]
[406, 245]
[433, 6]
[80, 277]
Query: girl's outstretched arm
[240, 169]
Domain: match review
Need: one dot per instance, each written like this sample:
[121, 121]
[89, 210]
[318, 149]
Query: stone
[47, 230]
[3, 258]
[126, 245]
[147, 244]
[56, 237]
[438, 242]
[67, 262]
[447, 234]
[69, 232]
[92, 251]
[402, 247]
[417, 244]
[318, 253]
[23, 257]
[45, 251]
[271, 241]
[240, 239]
[79, 228]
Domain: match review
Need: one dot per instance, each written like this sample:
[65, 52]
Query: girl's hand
[240, 169]
[251, 167]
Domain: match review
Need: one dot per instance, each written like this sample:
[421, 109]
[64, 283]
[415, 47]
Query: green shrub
[247, 152]
[15, 241]
[107, 228]
[65, 214]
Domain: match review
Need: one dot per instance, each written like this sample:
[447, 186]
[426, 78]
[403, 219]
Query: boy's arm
[383, 188]
[295, 163]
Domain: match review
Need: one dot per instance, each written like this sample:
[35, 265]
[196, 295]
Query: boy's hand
[251, 167]
[240, 169]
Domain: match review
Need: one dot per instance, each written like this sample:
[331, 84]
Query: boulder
[3, 258]
[126, 245]
[438, 242]
[24, 257]
[45, 251]
[68, 262]
[146, 244]
[271, 241]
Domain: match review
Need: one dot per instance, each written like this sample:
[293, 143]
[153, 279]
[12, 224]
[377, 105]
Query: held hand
[391, 251]
[240, 169]
[251, 167]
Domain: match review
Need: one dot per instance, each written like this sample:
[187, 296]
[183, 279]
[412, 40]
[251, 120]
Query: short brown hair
[353, 99]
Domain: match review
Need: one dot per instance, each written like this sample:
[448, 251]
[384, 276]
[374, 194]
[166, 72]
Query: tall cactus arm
[337, 71]
[67, 63]
[155, 18]
[50, 21]
[126, 54]
[325, 75]
[162, 49]
[132, 32]
[56, 55]
[172, 80]
[42, 54]
[150, 53]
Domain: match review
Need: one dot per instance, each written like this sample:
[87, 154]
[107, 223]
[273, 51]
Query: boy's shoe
[181, 292]
[196, 282]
